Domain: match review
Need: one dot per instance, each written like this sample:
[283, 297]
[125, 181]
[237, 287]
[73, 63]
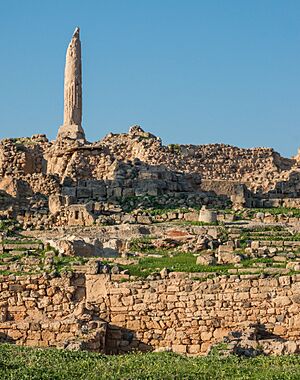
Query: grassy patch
[174, 148]
[248, 236]
[177, 262]
[19, 363]
[143, 244]
[250, 262]
[65, 263]
[157, 203]
[21, 241]
[9, 226]
[265, 229]
[196, 223]
[293, 212]
[163, 211]
[268, 233]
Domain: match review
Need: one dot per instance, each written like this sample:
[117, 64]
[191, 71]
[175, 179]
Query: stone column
[72, 128]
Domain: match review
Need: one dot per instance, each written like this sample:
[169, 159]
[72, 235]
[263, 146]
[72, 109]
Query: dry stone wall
[38, 311]
[185, 315]
[22, 156]
[136, 164]
[258, 168]
[189, 316]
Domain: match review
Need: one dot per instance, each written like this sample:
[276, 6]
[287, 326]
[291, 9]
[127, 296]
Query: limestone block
[207, 216]
[112, 247]
[55, 203]
[96, 287]
[143, 219]
[206, 259]
[179, 348]
[79, 215]
[72, 131]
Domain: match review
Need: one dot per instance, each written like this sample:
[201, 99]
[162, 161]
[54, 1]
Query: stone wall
[265, 217]
[189, 316]
[183, 314]
[22, 156]
[138, 156]
[121, 167]
[38, 311]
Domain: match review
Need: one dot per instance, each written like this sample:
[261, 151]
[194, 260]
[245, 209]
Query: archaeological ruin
[126, 244]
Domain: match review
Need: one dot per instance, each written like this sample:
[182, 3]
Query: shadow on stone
[120, 340]
[253, 341]
[4, 338]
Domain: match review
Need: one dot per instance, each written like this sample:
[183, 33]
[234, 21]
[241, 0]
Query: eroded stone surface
[73, 92]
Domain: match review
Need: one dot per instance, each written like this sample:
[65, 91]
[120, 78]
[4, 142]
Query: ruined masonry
[73, 92]
[127, 244]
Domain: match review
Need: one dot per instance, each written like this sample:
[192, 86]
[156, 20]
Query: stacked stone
[189, 317]
[36, 311]
[174, 313]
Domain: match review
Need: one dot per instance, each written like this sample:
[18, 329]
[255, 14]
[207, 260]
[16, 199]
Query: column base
[72, 131]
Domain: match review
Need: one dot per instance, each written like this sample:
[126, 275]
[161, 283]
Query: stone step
[22, 246]
[80, 268]
[268, 233]
[277, 243]
[234, 236]
[17, 253]
[267, 270]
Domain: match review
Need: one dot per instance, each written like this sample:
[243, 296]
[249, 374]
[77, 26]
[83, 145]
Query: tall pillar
[72, 128]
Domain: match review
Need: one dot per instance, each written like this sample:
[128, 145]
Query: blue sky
[189, 71]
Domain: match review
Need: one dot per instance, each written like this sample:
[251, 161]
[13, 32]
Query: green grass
[250, 212]
[267, 233]
[19, 363]
[143, 244]
[294, 212]
[196, 223]
[247, 236]
[265, 229]
[65, 263]
[163, 211]
[21, 241]
[175, 148]
[249, 262]
[7, 255]
[8, 273]
[9, 226]
[178, 262]
[159, 204]
[60, 263]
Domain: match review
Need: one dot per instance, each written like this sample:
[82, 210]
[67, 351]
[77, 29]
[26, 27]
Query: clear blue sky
[190, 71]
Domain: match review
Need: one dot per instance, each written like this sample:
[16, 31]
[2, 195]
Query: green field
[19, 363]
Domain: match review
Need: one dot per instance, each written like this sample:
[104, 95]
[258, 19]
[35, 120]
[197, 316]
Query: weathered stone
[72, 128]
[206, 259]
[207, 216]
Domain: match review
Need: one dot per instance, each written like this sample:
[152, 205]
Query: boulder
[206, 259]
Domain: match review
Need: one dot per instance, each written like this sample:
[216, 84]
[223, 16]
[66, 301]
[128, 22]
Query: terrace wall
[185, 315]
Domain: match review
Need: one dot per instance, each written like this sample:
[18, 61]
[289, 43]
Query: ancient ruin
[73, 91]
[127, 244]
